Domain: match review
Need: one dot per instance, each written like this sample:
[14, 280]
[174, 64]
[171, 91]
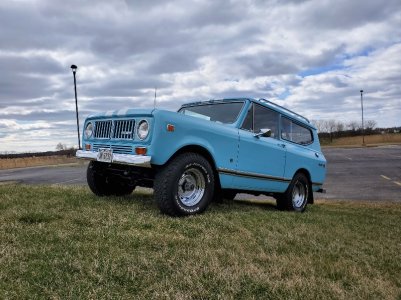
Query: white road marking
[396, 182]
[385, 177]
[348, 157]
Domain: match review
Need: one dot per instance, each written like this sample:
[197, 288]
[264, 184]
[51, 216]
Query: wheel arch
[201, 151]
[308, 176]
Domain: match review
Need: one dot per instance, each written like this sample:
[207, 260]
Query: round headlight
[143, 129]
[88, 130]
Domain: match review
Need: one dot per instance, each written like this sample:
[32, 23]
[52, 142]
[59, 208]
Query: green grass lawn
[63, 242]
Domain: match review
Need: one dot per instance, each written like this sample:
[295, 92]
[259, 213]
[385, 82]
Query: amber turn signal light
[141, 150]
[87, 147]
[170, 127]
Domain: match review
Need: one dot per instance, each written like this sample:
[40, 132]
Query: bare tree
[61, 146]
[331, 126]
[370, 124]
[319, 124]
[340, 126]
[353, 125]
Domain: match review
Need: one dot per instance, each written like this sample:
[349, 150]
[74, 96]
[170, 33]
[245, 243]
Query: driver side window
[260, 117]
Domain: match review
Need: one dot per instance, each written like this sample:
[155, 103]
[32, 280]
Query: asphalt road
[372, 173]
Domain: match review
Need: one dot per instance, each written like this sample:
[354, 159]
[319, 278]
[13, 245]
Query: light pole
[363, 125]
[74, 70]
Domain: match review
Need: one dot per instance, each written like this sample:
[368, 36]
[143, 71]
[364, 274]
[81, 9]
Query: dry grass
[11, 163]
[63, 242]
[377, 139]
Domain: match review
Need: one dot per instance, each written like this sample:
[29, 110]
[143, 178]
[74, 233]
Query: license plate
[105, 155]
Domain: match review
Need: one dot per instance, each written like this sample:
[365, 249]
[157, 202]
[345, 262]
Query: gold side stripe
[257, 176]
[252, 175]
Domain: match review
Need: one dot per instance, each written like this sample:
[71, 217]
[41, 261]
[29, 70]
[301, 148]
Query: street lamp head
[361, 91]
[74, 68]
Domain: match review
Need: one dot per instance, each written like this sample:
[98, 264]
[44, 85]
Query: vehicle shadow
[241, 204]
[147, 202]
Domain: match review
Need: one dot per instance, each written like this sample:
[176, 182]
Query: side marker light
[141, 150]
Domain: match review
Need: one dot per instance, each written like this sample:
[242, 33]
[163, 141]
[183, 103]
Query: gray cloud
[346, 14]
[312, 56]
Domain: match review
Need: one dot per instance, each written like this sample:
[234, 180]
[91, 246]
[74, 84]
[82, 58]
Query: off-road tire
[228, 194]
[167, 179]
[101, 186]
[121, 189]
[296, 197]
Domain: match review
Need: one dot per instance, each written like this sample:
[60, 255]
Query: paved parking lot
[372, 173]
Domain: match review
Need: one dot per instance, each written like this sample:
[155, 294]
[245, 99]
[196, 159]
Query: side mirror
[264, 132]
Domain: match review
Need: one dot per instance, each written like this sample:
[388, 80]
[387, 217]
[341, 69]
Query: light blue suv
[206, 151]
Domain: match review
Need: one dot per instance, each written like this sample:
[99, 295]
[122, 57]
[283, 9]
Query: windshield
[225, 112]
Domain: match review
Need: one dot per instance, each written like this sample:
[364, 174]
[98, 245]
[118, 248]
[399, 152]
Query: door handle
[281, 145]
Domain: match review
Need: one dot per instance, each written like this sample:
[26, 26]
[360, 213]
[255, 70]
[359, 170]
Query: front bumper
[125, 159]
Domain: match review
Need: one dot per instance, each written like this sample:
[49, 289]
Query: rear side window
[295, 133]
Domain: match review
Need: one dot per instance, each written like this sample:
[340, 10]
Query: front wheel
[185, 186]
[102, 185]
[296, 196]
[229, 194]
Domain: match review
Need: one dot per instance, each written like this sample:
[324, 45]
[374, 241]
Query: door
[261, 160]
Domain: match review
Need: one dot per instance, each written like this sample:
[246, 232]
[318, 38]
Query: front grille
[124, 129]
[103, 129]
[115, 129]
[120, 149]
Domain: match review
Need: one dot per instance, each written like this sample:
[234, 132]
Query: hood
[122, 113]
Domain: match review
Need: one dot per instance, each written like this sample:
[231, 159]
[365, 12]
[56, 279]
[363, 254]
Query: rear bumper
[125, 159]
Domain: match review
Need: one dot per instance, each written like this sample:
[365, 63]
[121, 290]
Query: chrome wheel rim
[299, 194]
[191, 187]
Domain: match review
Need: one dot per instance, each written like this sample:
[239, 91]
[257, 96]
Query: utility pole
[74, 70]
[363, 124]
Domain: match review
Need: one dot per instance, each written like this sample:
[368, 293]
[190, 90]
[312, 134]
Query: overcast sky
[310, 56]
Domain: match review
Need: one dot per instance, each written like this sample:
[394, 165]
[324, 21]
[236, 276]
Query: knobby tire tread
[164, 182]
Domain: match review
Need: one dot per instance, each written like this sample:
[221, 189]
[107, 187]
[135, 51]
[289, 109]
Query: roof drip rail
[286, 109]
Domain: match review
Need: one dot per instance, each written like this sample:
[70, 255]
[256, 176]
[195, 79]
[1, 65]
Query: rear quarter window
[295, 133]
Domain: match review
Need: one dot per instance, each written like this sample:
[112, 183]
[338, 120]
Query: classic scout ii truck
[206, 151]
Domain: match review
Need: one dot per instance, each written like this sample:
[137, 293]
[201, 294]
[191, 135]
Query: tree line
[329, 129]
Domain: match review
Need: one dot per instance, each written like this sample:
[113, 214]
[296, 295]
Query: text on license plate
[105, 155]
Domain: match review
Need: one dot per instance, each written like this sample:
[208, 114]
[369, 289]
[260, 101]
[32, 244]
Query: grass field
[376, 139]
[62, 242]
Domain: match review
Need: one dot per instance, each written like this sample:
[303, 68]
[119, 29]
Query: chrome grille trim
[124, 129]
[103, 129]
[120, 149]
[114, 129]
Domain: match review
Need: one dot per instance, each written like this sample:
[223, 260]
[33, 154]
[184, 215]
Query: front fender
[220, 140]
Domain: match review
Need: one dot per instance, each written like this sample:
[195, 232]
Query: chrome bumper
[125, 159]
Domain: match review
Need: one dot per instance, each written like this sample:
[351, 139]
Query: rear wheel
[101, 185]
[185, 186]
[296, 196]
